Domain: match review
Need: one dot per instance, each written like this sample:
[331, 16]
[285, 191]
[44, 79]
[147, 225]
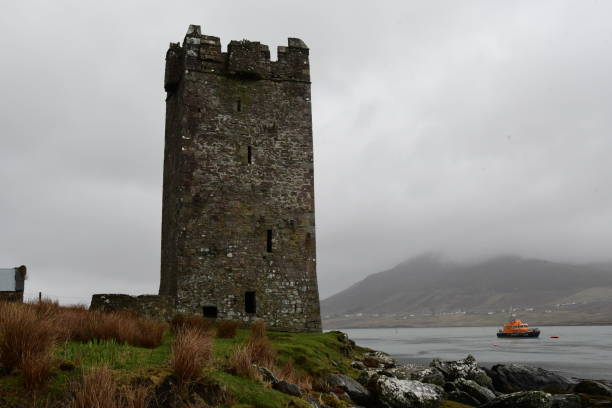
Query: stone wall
[238, 201]
[148, 306]
[11, 296]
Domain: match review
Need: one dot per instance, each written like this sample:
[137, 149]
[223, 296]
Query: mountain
[430, 285]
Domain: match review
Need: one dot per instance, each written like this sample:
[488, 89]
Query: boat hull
[531, 334]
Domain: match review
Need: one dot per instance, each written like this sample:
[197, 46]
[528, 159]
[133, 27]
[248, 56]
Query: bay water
[579, 351]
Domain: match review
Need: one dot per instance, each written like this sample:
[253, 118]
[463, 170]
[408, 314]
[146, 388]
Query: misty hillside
[429, 284]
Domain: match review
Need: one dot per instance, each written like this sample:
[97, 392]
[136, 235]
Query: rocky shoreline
[382, 382]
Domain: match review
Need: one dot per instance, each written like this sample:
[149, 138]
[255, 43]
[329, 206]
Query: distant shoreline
[433, 326]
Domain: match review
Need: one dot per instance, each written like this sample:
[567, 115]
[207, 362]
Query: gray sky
[466, 127]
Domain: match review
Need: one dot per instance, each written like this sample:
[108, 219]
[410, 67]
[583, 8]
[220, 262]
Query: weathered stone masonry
[238, 229]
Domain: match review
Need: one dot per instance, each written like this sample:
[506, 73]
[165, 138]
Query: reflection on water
[580, 351]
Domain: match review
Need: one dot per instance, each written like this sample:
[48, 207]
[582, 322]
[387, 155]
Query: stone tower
[238, 228]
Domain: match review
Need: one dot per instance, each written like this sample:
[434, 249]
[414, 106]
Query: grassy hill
[102, 354]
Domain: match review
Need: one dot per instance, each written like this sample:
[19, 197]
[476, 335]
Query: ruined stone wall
[238, 201]
[11, 296]
[149, 306]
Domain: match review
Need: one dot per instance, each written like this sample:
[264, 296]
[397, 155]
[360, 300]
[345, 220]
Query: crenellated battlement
[246, 59]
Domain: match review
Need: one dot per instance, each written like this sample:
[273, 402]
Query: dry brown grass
[258, 330]
[97, 389]
[29, 331]
[24, 334]
[227, 329]
[288, 373]
[180, 322]
[262, 352]
[241, 363]
[256, 351]
[136, 396]
[191, 353]
[82, 325]
[36, 370]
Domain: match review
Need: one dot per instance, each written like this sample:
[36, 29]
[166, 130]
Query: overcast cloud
[471, 128]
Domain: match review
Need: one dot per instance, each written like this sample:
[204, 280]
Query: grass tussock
[289, 373]
[191, 353]
[36, 370]
[227, 329]
[27, 338]
[180, 322]
[258, 330]
[241, 363]
[98, 388]
[256, 351]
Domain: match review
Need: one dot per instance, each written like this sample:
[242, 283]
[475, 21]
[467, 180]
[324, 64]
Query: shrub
[191, 353]
[227, 329]
[97, 389]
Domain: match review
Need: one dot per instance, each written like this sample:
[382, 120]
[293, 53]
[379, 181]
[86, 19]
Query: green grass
[312, 354]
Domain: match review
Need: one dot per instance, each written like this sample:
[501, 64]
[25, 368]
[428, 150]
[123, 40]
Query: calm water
[580, 351]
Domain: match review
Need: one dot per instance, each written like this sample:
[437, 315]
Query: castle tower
[238, 227]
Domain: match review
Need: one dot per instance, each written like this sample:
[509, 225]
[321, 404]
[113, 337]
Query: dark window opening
[269, 241]
[210, 311]
[249, 155]
[249, 302]
[238, 105]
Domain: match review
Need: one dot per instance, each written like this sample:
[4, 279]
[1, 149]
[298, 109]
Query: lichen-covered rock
[463, 398]
[475, 390]
[467, 368]
[525, 399]
[518, 377]
[566, 401]
[287, 388]
[378, 359]
[396, 393]
[357, 392]
[593, 388]
[428, 375]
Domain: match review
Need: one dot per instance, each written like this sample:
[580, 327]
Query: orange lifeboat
[517, 328]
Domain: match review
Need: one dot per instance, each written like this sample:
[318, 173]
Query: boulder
[463, 398]
[474, 390]
[518, 377]
[428, 375]
[566, 401]
[357, 392]
[524, 399]
[593, 388]
[287, 388]
[376, 359]
[467, 368]
[396, 393]
[280, 385]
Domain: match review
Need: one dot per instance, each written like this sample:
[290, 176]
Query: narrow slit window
[250, 155]
[210, 312]
[269, 241]
[250, 305]
[238, 105]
